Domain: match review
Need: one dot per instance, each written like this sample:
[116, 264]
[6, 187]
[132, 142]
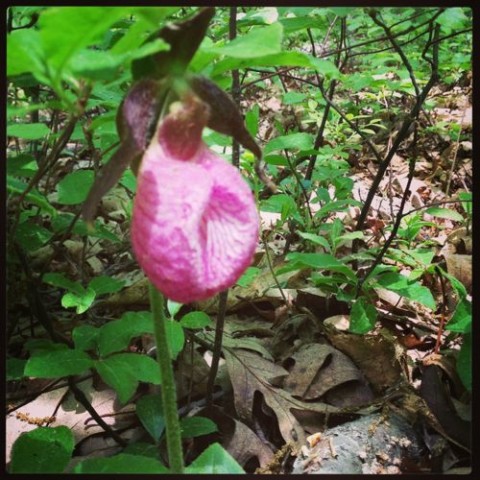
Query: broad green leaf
[293, 24]
[15, 368]
[43, 450]
[280, 203]
[281, 59]
[403, 286]
[316, 239]
[60, 280]
[453, 19]
[37, 346]
[66, 30]
[123, 371]
[296, 141]
[85, 337]
[105, 284]
[445, 213]
[74, 187]
[322, 261]
[461, 320]
[59, 363]
[143, 449]
[292, 98]
[362, 316]
[23, 165]
[149, 411]
[24, 53]
[103, 65]
[248, 277]
[195, 320]
[116, 335]
[276, 160]
[464, 362]
[215, 459]
[258, 42]
[197, 426]
[176, 337]
[259, 16]
[28, 131]
[121, 463]
[81, 301]
[32, 236]
[325, 68]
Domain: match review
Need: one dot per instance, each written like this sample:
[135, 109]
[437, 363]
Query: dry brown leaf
[317, 369]
[249, 373]
[379, 356]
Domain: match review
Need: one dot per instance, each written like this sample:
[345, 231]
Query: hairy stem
[169, 393]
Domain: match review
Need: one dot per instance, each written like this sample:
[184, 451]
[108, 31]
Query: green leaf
[461, 320]
[281, 59]
[281, 203]
[80, 301]
[453, 19]
[59, 363]
[362, 316]
[403, 286]
[43, 450]
[248, 277]
[464, 362]
[466, 198]
[38, 345]
[123, 371]
[103, 65]
[456, 284]
[60, 280]
[215, 459]
[173, 307]
[325, 68]
[74, 187]
[445, 213]
[24, 53]
[121, 463]
[252, 119]
[143, 449]
[32, 236]
[28, 131]
[117, 334]
[297, 141]
[322, 261]
[23, 165]
[149, 411]
[292, 98]
[85, 337]
[316, 239]
[66, 30]
[15, 368]
[258, 42]
[197, 426]
[175, 337]
[195, 320]
[293, 24]
[105, 284]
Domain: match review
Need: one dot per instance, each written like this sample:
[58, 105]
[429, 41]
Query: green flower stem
[169, 393]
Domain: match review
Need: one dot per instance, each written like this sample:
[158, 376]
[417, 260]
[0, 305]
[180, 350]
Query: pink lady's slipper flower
[195, 223]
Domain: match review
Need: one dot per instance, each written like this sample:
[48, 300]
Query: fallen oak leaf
[249, 373]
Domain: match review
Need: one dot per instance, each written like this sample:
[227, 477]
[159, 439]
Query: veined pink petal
[195, 223]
